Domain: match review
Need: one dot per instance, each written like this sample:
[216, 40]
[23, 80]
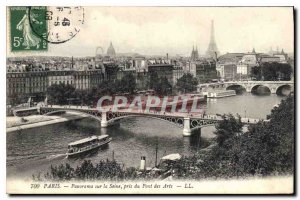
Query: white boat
[87, 145]
[220, 94]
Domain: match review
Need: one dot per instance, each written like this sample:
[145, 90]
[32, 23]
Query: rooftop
[231, 57]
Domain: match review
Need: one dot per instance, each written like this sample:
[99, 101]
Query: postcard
[150, 100]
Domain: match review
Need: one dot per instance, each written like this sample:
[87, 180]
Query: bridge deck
[192, 116]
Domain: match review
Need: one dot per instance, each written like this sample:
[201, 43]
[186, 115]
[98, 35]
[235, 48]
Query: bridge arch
[196, 124]
[279, 89]
[93, 114]
[239, 88]
[169, 119]
[254, 88]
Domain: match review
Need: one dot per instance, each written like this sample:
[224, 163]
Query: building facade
[203, 70]
[21, 84]
[162, 69]
[248, 61]
[227, 71]
[227, 65]
[178, 72]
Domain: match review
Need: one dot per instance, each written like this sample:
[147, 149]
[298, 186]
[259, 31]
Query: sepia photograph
[150, 100]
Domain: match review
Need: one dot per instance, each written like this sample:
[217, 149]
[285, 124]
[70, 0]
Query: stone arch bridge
[275, 87]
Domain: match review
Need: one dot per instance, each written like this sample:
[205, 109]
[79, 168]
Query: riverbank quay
[21, 123]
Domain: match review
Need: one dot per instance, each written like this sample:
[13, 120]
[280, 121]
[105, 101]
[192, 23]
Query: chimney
[72, 64]
[143, 163]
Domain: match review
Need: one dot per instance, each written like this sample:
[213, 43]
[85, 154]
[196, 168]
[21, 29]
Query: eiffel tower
[212, 47]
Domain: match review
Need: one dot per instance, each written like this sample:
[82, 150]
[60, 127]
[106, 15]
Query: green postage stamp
[28, 28]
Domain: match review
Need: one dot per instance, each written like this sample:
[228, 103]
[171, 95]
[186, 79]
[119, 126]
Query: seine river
[34, 150]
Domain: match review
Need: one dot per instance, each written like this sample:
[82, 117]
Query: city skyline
[174, 30]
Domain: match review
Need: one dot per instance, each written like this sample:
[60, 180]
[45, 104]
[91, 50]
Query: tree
[106, 88]
[256, 72]
[160, 85]
[104, 170]
[153, 81]
[128, 84]
[111, 71]
[81, 96]
[272, 71]
[268, 147]
[164, 87]
[228, 128]
[91, 96]
[59, 94]
[187, 83]
[265, 149]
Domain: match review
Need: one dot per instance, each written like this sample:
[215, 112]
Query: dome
[111, 51]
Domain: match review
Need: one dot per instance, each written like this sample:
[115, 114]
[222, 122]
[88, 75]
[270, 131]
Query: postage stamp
[32, 28]
[22, 37]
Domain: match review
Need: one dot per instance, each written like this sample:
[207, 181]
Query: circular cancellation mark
[56, 25]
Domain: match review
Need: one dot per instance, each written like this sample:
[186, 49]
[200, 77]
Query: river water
[34, 150]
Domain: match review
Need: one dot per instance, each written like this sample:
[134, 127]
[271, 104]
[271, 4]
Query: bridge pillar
[273, 90]
[199, 140]
[248, 89]
[187, 127]
[104, 122]
[39, 109]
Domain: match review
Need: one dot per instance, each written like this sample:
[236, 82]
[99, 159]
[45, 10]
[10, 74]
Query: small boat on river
[219, 94]
[87, 145]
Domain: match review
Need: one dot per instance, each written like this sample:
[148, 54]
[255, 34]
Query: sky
[174, 30]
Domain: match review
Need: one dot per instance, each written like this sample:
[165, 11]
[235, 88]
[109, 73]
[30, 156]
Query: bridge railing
[160, 113]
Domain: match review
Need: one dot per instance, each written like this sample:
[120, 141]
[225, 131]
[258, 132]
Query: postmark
[64, 23]
[22, 37]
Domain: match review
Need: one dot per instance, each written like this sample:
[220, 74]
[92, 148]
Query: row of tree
[103, 170]
[64, 94]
